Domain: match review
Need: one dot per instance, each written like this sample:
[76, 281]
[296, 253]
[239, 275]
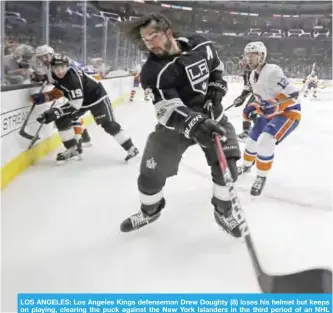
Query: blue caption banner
[174, 303]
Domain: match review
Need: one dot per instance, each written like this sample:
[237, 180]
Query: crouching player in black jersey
[80, 93]
[182, 75]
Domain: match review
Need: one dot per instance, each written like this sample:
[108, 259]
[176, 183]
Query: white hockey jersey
[271, 87]
[311, 81]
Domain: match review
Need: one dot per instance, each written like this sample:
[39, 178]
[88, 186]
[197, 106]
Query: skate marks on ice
[243, 185]
[287, 239]
[73, 242]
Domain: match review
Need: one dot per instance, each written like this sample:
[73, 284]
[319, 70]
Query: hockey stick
[22, 131]
[36, 137]
[229, 107]
[308, 281]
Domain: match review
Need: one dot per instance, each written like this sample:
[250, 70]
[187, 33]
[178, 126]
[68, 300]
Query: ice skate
[244, 169]
[137, 221]
[141, 219]
[86, 140]
[73, 153]
[131, 153]
[258, 185]
[228, 222]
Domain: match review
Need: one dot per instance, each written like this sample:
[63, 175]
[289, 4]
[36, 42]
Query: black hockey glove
[240, 100]
[216, 91]
[50, 116]
[201, 128]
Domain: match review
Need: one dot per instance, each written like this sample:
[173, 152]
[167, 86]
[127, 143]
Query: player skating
[311, 85]
[81, 93]
[279, 113]
[181, 75]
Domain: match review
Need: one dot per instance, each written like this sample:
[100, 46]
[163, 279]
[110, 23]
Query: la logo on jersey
[198, 75]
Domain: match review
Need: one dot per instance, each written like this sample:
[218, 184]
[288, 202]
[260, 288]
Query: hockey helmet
[60, 65]
[59, 60]
[256, 47]
[43, 50]
[23, 54]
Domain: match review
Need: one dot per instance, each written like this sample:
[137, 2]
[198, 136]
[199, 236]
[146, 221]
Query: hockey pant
[162, 155]
[103, 114]
[263, 138]
[309, 87]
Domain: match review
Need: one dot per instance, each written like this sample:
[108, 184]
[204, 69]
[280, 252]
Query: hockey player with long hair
[81, 93]
[183, 76]
[279, 113]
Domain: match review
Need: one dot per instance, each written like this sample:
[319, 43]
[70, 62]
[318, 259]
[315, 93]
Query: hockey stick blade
[36, 137]
[22, 131]
[25, 134]
[308, 281]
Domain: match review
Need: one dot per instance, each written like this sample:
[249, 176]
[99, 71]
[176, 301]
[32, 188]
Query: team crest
[198, 75]
[151, 163]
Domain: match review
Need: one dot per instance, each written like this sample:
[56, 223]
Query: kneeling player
[279, 113]
[82, 93]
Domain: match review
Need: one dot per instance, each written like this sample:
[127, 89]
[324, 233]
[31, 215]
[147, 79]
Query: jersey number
[75, 94]
[283, 82]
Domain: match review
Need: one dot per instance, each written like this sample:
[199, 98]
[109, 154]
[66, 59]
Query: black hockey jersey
[81, 89]
[179, 80]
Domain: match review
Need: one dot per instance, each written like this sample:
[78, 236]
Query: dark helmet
[59, 59]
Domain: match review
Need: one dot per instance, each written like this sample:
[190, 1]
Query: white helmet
[43, 50]
[23, 53]
[258, 47]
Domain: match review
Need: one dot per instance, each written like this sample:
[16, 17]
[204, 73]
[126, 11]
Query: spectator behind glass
[17, 65]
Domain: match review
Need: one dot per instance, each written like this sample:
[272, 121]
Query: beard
[164, 51]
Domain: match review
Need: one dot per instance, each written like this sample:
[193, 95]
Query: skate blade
[74, 158]
[87, 145]
[133, 159]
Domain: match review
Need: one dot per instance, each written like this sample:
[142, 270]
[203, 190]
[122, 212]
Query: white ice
[60, 225]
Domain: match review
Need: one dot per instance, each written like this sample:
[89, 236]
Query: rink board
[14, 109]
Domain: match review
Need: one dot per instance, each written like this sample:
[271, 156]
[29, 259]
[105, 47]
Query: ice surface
[60, 225]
